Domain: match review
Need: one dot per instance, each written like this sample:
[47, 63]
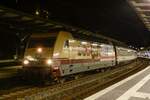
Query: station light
[142, 48]
[37, 12]
[130, 46]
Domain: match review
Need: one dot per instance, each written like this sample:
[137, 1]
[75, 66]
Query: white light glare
[71, 41]
[56, 54]
[129, 50]
[94, 44]
[30, 58]
[39, 50]
[49, 62]
[102, 45]
[83, 43]
[142, 48]
[37, 12]
[26, 62]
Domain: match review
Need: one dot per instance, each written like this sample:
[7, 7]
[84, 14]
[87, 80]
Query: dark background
[112, 18]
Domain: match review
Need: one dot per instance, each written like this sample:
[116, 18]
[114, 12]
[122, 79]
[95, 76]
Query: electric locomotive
[59, 54]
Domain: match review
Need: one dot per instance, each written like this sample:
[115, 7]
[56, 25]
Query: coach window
[80, 49]
[66, 44]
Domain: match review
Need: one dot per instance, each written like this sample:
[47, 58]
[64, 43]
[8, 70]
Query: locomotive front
[38, 56]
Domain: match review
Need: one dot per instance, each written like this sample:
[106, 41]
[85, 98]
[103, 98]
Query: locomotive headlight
[26, 62]
[49, 61]
[39, 50]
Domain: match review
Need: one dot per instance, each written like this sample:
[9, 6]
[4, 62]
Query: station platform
[135, 87]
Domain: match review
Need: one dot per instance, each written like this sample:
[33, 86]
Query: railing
[9, 62]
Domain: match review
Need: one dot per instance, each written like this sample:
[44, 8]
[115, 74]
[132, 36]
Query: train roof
[99, 38]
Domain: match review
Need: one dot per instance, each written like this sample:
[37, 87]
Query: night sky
[112, 18]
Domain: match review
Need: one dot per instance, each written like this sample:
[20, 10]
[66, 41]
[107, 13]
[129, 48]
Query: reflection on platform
[135, 87]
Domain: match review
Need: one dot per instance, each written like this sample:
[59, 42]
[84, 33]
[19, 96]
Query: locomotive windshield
[44, 42]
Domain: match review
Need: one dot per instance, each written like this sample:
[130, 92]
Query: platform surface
[135, 87]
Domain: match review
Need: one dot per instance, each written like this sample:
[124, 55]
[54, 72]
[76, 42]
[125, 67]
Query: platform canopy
[18, 22]
[142, 7]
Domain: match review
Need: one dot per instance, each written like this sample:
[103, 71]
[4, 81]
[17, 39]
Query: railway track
[79, 88]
